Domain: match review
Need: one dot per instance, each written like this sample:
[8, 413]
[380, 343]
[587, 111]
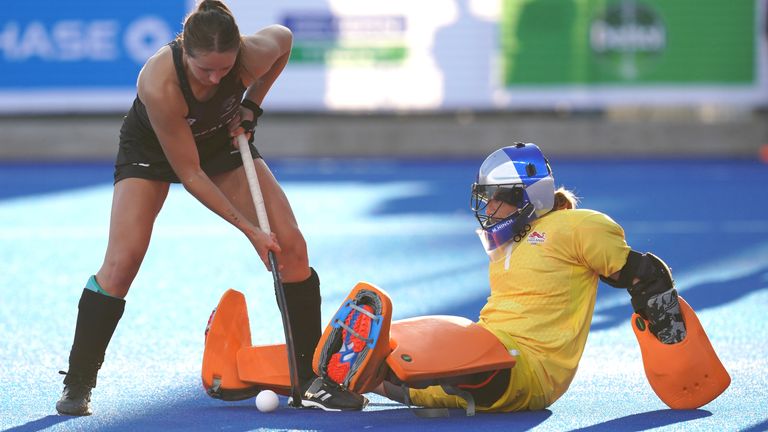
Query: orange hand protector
[685, 375]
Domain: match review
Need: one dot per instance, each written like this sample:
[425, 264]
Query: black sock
[303, 302]
[97, 319]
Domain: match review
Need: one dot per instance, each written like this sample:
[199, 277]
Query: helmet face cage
[518, 175]
[510, 193]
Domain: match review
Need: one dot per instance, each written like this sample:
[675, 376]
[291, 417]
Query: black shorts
[224, 159]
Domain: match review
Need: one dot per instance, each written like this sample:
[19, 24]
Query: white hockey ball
[267, 401]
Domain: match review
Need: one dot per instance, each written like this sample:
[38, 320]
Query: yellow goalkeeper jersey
[543, 293]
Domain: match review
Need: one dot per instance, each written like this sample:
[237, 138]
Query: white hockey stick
[261, 214]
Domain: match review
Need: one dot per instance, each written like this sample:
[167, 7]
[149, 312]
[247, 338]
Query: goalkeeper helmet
[518, 175]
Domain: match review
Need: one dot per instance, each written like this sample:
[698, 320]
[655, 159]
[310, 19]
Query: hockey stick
[261, 214]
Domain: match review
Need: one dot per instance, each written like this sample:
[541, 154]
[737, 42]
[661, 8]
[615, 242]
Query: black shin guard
[303, 303]
[97, 319]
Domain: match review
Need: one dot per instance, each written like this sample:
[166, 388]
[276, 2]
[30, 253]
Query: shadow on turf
[759, 427]
[39, 424]
[198, 415]
[647, 420]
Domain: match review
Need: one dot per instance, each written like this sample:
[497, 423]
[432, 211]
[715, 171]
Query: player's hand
[235, 126]
[263, 243]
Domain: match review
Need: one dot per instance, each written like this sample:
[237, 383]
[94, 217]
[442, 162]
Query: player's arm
[649, 282]
[679, 361]
[264, 56]
[166, 109]
[603, 248]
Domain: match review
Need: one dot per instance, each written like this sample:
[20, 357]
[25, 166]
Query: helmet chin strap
[513, 227]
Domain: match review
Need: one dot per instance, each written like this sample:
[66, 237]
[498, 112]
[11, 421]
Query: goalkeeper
[546, 257]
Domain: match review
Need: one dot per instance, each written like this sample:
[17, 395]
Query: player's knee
[293, 255]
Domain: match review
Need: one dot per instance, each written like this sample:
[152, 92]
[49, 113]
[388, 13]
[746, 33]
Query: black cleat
[329, 396]
[76, 397]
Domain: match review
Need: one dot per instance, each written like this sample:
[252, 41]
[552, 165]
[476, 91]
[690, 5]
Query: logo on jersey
[191, 121]
[230, 104]
[536, 237]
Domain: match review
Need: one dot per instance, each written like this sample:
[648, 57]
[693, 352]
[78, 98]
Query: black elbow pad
[629, 272]
[653, 274]
[653, 295]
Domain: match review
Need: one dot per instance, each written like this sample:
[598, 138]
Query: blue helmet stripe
[521, 157]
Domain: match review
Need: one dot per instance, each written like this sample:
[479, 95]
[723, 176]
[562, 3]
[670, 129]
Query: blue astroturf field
[403, 225]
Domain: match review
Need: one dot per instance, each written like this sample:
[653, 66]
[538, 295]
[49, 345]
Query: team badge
[536, 237]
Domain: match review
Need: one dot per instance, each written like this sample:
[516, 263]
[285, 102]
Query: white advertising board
[404, 55]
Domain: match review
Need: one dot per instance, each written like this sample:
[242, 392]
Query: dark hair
[210, 28]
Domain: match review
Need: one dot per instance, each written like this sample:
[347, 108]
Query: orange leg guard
[354, 346]
[228, 331]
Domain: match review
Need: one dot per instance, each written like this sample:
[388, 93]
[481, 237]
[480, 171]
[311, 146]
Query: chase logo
[627, 38]
[83, 44]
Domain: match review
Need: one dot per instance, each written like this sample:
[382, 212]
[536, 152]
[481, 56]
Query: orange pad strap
[685, 375]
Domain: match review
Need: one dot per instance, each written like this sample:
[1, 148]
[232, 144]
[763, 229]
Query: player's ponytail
[209, 5]
[565, 199]
[210, 28]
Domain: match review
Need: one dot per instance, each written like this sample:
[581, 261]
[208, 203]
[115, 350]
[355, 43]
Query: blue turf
[403, 225]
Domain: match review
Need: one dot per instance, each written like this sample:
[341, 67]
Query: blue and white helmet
[519, 175]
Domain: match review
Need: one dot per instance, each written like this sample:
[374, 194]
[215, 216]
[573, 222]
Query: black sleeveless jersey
[207, 120]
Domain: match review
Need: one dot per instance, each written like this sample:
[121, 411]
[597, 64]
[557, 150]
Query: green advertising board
[648, 42]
